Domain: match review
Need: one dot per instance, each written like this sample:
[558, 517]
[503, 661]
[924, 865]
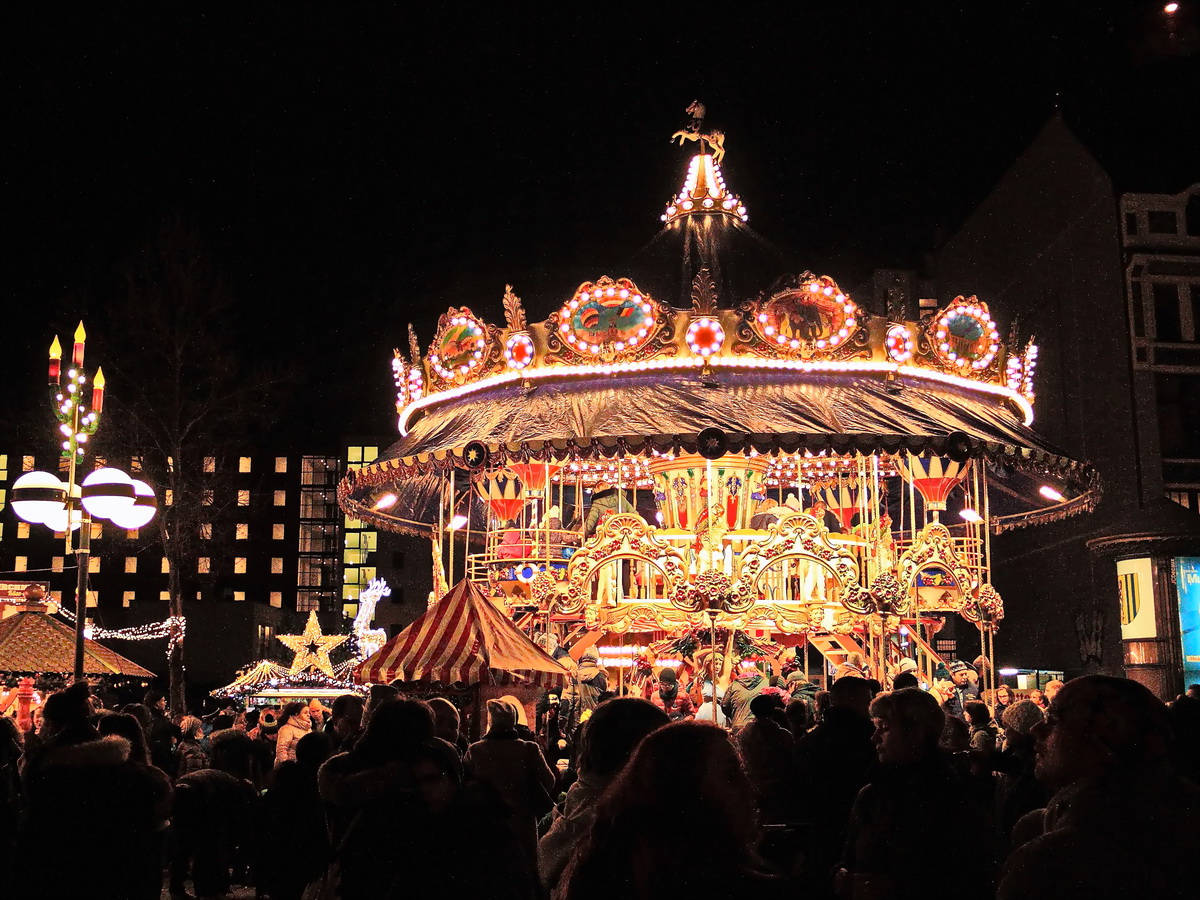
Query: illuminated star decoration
[312, 648]
[475, 454]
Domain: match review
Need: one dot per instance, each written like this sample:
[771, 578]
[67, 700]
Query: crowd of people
[854, 792]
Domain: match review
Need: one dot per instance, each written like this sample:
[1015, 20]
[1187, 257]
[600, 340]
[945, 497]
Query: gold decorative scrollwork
[620, 536]
[934, 547]
[800, 537]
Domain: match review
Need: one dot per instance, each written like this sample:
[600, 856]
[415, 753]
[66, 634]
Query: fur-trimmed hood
[107, 751]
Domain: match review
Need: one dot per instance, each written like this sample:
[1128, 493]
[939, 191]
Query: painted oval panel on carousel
[806, 315]
[460, 349]
[965, 336]
[610, 320]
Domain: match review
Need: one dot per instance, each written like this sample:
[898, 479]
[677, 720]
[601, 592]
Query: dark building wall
[1044, 245]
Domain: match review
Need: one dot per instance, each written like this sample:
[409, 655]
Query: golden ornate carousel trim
[733, 364]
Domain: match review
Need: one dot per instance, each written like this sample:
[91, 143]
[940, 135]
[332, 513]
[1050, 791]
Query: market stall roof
[462, 638]
[34, 641]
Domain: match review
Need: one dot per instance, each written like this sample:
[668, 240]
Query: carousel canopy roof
[462, 638]
[780, 364]
[34, 641]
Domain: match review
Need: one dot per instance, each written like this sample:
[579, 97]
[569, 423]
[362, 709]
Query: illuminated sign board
[1187, 582]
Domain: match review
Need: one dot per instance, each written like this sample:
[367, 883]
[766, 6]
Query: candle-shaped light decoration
[55, 361]
[80, 337]
[98, 391]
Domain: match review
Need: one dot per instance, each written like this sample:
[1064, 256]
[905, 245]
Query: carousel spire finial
[514, 312]
[703, 191]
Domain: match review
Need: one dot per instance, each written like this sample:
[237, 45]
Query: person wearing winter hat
[964, 690]
[591, 680]
[162, 733]
[670, 699]
[517, 770]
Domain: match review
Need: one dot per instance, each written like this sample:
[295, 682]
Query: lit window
[56, 563]
[170, 464]
[166, 565]
[164, 595]
[281, 498]
[126, 598]
[280, 464]
[132, 534]
[276, 565]
[244, 464]
[277, 599]
[241, 531]
[239, 565]
[97, 531]
[21, 563]
[239, 596]
[93, 564]
[243, 498]
[207, 498]
[277, 532]
[135, 464]
[369, 454]
[93, 598]
[168, 497]
[22, 529]
[202, 565]
[26, 463]
[210, 464]
[206, 531]
[131, 565]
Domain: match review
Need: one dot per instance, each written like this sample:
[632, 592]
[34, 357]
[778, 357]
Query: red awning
[462, 638]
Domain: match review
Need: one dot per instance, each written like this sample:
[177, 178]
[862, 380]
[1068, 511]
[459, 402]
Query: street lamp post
[106, 493]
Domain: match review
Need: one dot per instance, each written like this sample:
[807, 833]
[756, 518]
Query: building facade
[1088, 273]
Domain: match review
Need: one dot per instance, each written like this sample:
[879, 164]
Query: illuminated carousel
[781, 462]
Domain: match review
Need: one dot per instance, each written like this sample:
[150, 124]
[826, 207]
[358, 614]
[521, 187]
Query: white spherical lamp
[57, 520]
[145, 505]
[36, 495]
[107, 492]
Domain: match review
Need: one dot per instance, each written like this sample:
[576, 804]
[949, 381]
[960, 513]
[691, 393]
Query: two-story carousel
[776, 460]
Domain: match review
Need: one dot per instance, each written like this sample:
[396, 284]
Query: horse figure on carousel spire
[694, 132]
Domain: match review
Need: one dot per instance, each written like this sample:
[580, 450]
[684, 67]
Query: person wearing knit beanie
[1022, 716]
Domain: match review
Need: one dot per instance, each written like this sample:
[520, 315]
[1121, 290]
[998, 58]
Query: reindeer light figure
[370, 639]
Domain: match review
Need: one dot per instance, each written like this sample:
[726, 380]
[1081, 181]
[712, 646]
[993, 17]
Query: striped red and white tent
[462, 638]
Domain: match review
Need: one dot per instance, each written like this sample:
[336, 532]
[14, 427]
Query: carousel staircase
[927, 658]
[836, 647]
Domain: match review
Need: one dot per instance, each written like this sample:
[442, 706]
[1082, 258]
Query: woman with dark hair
[609, 738]
[690, 772]
[296, 719]
[374, 808]
[1003, 700]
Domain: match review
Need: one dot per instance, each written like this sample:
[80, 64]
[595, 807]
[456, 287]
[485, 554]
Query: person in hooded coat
[592, 681]
[517, 770]
[736, 702]
[606, 500]
[81, 780]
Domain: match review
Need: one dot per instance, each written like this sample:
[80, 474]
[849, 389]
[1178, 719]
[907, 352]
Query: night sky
[351, 171]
